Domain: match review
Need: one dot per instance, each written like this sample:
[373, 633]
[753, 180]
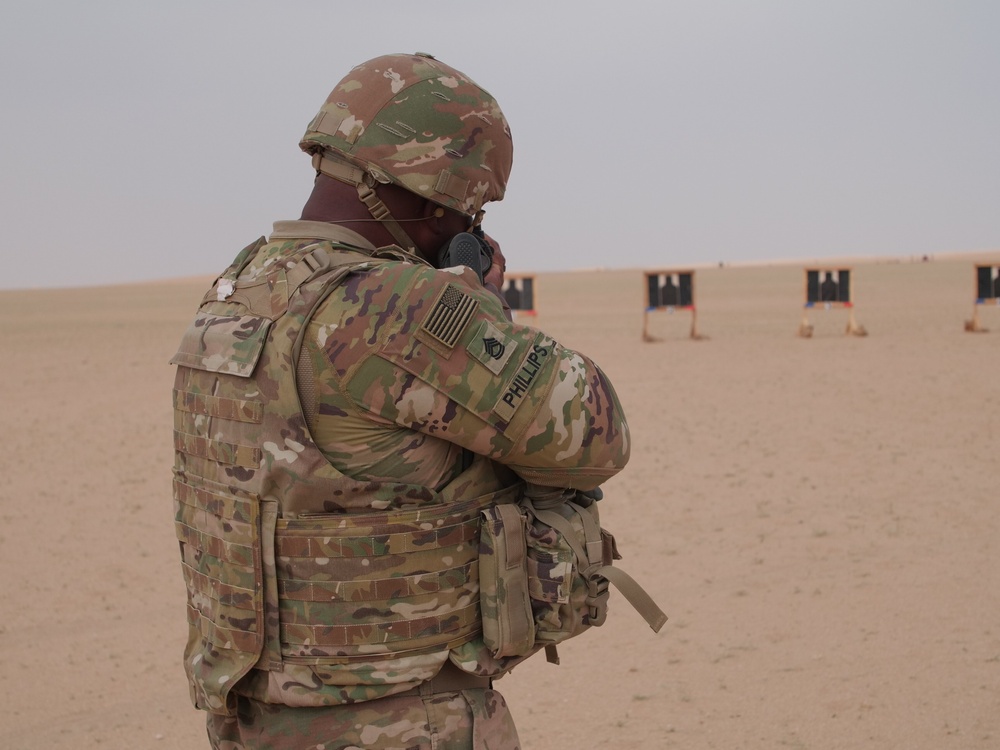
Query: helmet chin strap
[364, 182]
[380, 212]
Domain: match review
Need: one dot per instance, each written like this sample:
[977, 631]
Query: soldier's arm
[444, 361]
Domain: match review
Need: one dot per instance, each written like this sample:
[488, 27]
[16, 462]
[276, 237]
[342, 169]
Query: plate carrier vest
[286, 560]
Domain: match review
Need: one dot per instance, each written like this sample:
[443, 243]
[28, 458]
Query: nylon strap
[267, 297]
[320, 259]
[450, 679]
[379, 211]
[518, 623]
[591, 531]
[359, 178]
[635, 594]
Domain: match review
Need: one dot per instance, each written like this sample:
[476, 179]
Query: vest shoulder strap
[268, 296]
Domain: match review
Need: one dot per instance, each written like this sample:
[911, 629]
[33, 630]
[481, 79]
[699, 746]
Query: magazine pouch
[508, 622]
[567, 570]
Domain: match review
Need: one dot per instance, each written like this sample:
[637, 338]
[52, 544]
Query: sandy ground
[818, 518]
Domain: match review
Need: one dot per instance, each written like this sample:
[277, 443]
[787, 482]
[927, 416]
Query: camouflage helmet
[416, 122]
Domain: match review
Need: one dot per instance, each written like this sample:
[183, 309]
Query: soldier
[346, 406]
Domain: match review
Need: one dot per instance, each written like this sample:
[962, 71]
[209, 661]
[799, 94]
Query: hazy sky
[144, 140]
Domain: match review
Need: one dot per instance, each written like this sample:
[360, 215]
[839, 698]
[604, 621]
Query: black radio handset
[467, 249]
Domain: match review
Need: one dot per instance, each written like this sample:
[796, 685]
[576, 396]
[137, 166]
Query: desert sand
[818, 517]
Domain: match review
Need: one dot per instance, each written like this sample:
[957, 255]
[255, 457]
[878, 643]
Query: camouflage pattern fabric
[415, 364]
[309, 606]
[476, 719]
[419, 123]
[404, 372]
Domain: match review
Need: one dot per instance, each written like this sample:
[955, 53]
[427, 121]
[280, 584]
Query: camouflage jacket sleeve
[431, 351]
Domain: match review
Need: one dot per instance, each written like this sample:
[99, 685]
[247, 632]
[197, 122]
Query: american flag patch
[450, 315]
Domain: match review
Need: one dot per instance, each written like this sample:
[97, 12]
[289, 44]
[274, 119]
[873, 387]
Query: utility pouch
[508, 621]
[551, 545]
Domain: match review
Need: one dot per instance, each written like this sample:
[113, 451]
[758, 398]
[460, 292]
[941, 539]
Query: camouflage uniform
[444, 721]
[385, 389]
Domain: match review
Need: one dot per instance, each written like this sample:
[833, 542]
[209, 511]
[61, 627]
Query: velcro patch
[450, 315]
[524, 378]
[491, 347]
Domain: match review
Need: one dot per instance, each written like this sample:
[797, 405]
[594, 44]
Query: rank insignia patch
[491, 347]
[449, 316]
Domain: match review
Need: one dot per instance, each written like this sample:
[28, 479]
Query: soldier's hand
[494, 277]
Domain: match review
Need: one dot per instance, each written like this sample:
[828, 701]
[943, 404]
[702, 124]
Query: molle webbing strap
[236, 409]
[441, 629]
[220, 451]
[362, 586]
[381, 589]
[222, 565]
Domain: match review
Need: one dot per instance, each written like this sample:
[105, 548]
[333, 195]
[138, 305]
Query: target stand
[987, 293]
[668, 291]
[519, 292]
[829, 289]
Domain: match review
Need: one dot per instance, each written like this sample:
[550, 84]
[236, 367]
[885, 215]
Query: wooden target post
[827, 289]
[987, 292]
[519, 291]
[668, 290]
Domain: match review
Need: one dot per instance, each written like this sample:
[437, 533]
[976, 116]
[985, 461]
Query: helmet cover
[416, 122]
